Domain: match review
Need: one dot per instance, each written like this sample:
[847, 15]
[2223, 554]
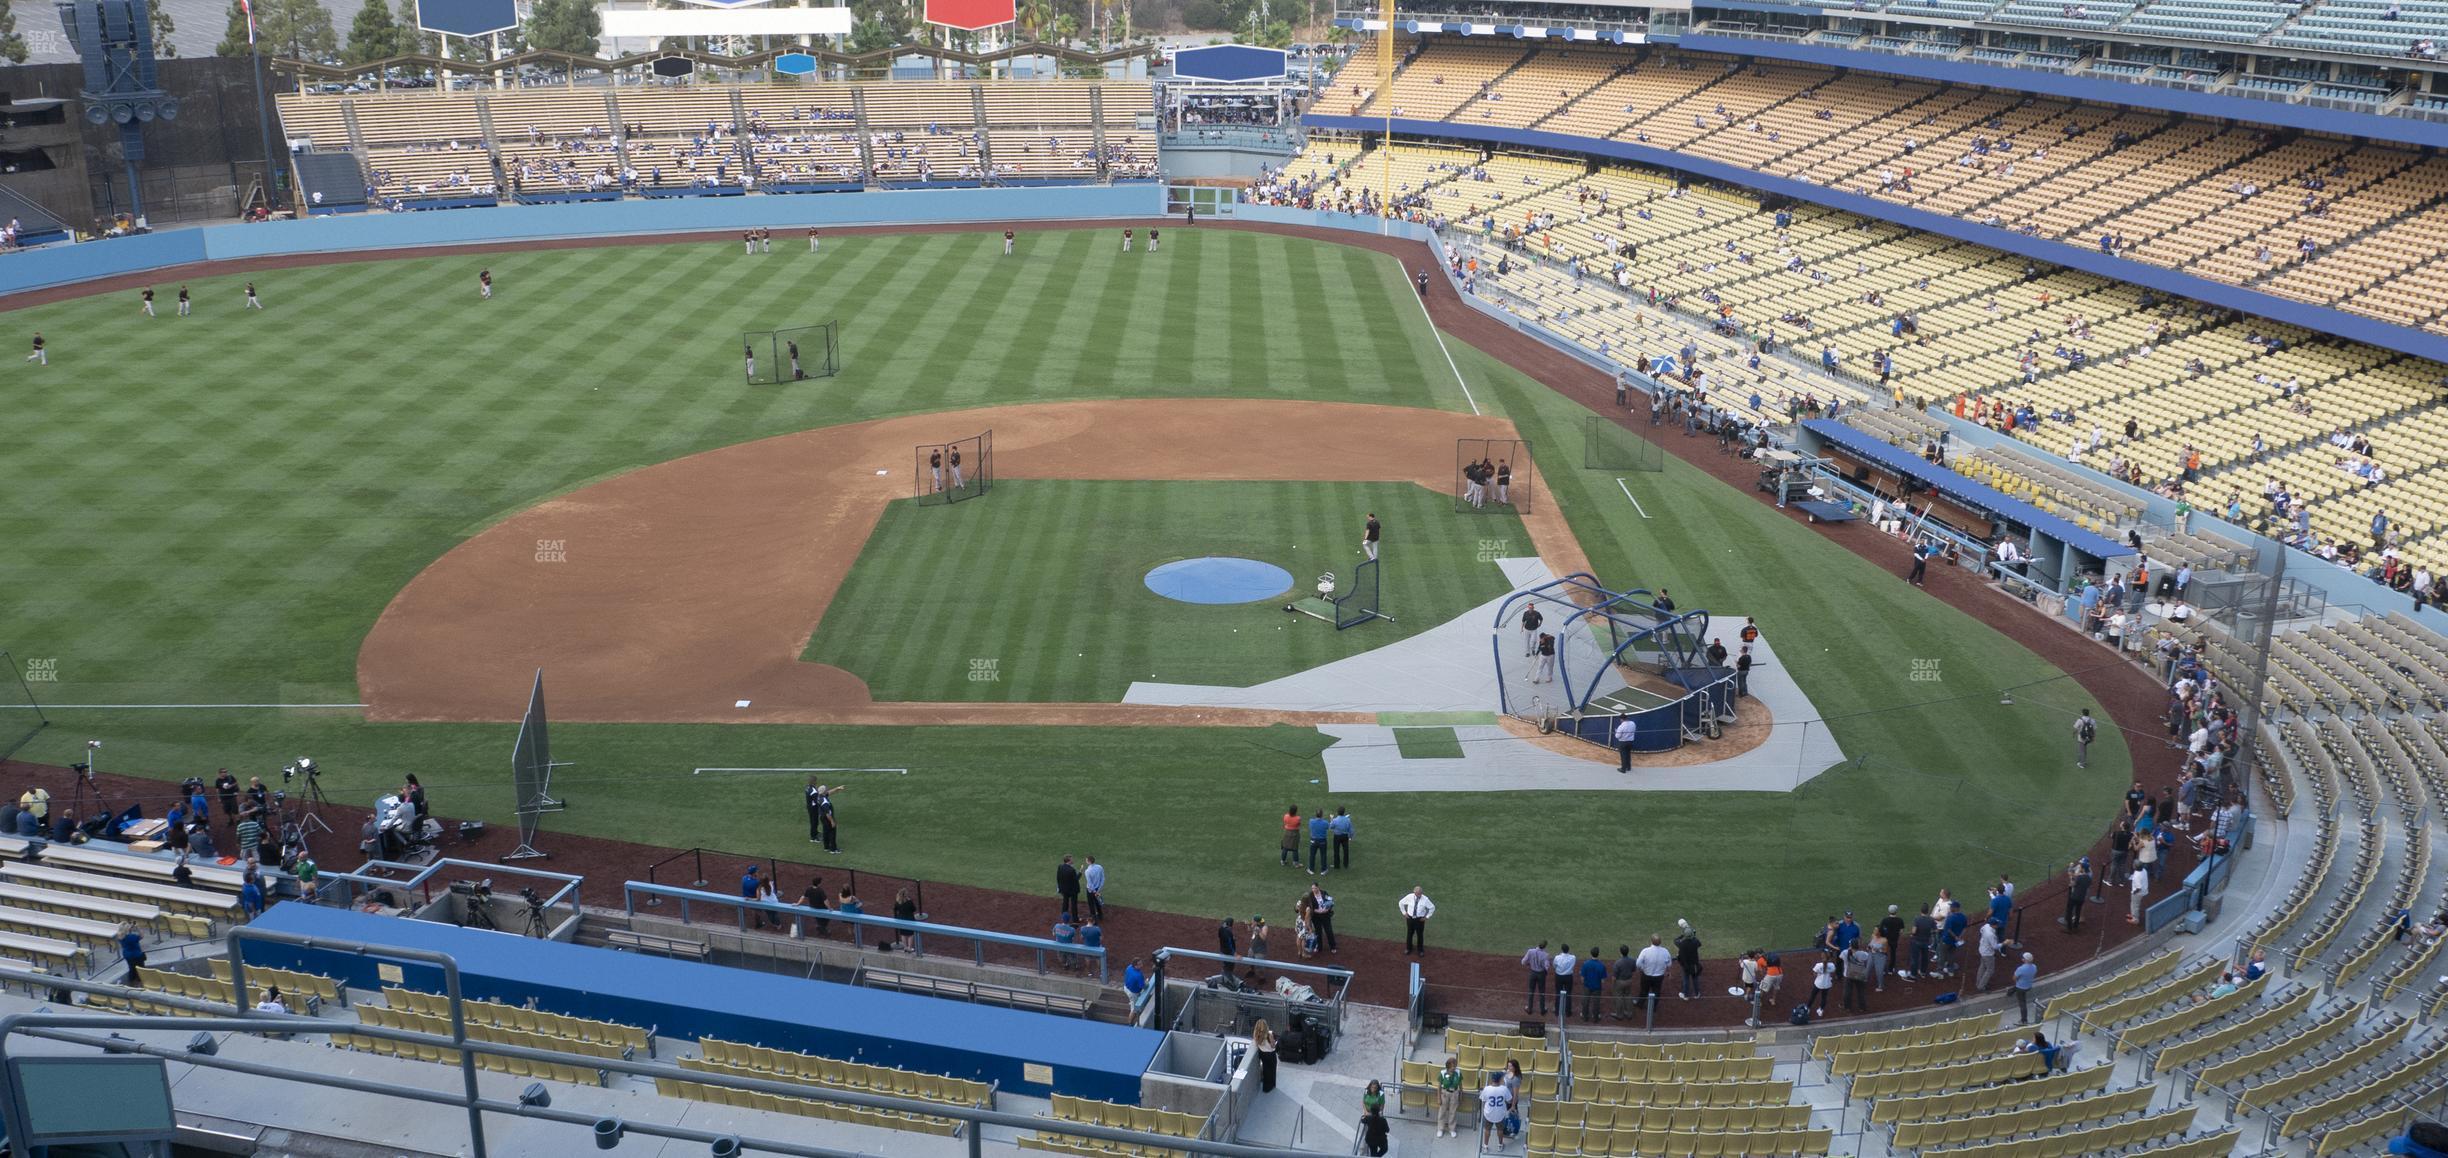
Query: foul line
[703, 771]
[1635, 502]
[126, 707]
[1449, 362]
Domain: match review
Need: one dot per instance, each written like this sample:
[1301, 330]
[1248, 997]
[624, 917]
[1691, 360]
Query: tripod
[476, 912]
[536, 926]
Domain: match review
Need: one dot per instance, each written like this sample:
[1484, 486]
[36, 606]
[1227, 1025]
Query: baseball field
[349, 525]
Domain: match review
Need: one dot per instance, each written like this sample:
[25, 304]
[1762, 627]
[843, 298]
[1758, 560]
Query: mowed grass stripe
[1050, 585]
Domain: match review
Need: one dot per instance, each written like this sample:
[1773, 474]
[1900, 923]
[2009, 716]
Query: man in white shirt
[1989, 947]
[1416, 908]
[1564, 965]
[1652, 964]
[2140, 883]
[1495, 1105]
[1625, 732]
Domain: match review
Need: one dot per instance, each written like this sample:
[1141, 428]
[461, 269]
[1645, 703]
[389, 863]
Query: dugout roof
[1977, 496]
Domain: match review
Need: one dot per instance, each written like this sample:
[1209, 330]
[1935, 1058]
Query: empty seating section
[1991, 1098]
[624, 1039]
[2223, 200]
[1114, 1115]
[2366, 26]
[1449, 78]
[400, 1019]
[1048, 129]
[418, 145]
[758, 1061]
[2027, 1120]
[1565, 1140]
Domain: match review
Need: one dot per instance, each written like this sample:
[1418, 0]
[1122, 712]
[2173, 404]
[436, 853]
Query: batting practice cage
[1603, 639]
[531, 768]
[769, 356]
[1346, 601]
[1491, 474]
[1607, 445]
[951, 471]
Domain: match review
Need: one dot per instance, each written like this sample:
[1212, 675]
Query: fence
[796, 918]
[1492, 474]
[697, 879]
[1608, 445]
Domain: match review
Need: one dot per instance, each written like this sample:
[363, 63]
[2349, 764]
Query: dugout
[2061, 549]
[1038, 1054]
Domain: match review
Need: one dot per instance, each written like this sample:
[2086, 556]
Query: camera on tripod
[302, 766]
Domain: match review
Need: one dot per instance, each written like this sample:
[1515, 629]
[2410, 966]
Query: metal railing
[773, 871]
[421, 878]
[795, 918]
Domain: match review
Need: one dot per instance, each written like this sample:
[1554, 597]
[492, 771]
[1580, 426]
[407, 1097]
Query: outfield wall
[68, 264]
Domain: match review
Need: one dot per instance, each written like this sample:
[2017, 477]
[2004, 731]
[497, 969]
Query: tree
[163, 29]
[374, 35]
[298, 28]
[12, 46]
[571, 26]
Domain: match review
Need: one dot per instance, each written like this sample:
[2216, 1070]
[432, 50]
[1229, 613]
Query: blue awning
[1980, 497]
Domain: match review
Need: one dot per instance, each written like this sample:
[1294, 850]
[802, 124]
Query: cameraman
[414, 794]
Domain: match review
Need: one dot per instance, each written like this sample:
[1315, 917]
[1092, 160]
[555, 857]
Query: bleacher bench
[978, 991]
[650, 943]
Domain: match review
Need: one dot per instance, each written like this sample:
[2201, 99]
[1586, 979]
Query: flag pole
[1385, 97]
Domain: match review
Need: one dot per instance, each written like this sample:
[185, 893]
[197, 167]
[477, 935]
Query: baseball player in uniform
[183, 303]
[148, 301]
[1151, 241]
[749, 352]
[1530, 621]
[484, 285]
[935, 466]
[1007, 243]
[1126, 239]
[1368, 537]
[811, 239]
[956, 470]
[796, 373]
[253, 302]
[1504, 483]
[748, 242]
[40, 355]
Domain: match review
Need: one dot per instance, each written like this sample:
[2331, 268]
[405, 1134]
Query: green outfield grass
[1036, 591]
[216, 509]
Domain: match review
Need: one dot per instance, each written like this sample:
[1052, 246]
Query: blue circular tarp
[1219, 579]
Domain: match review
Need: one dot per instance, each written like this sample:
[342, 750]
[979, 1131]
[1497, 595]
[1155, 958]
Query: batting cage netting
[948, 472]
[531, 766]
[801, 352]
[1345, 602]
[1492, 474]
[1607, 445]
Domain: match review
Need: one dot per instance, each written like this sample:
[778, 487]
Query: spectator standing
[1538, 963]
[1093, 879]
[1321, 912]
[1924, 935]
[1067, 887]
[1373, 1129]
[752, 888]
[1416, 909]
[1594, 984]
[1687, 955]
[2085, 730]
[1988, 949]
[1226, 944]
[1291, 836]
[1339, 830]
[1495, 1105]
[1883, 947]
[2025, 976]
[1651, 964]
[1625, 733]
[1449, 1095]
[227, 786]
[1823, 981]
[2078, 890]
[250, 833]
[1859, 968]
[2139, 882]
[1262, 1042]
[1565, 963]
[131, 950]
[1317, 843]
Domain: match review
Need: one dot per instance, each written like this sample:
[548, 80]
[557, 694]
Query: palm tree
[1034, 16]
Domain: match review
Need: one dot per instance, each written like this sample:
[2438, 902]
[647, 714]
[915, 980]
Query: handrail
[918, 930]
[421, 876]
[773, 870]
